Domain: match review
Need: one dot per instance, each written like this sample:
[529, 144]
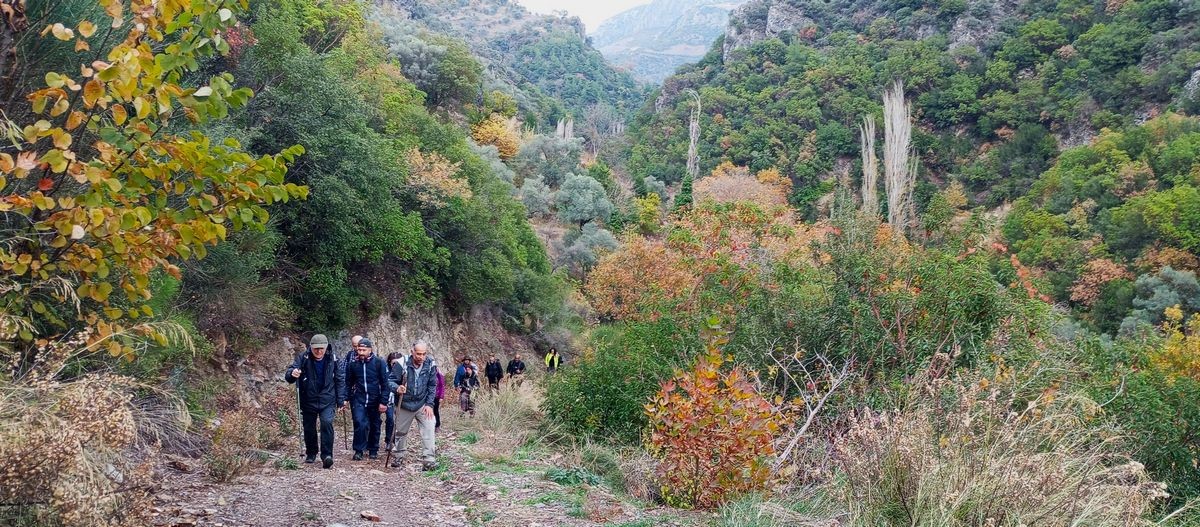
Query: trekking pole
[345, 438]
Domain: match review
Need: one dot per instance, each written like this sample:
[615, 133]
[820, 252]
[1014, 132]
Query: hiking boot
[373, 455]
[357, 455]
[327, 461]
[311, 459]
[397, 463]
[428, 466]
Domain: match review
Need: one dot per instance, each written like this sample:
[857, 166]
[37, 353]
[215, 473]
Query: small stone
[221, 501]
[370, 516]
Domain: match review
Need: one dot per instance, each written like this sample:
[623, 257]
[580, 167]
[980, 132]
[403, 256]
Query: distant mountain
[653, 40]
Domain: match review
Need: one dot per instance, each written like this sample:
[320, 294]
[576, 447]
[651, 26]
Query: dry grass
[504, 420]
[967, 456]
[68, 448]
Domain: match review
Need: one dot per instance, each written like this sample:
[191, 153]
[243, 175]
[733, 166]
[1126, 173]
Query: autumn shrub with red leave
[1095, 275]
[712, 434]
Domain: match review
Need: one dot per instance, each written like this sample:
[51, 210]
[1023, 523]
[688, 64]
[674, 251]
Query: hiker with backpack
[389, 425]
[320, 385]
[494, 373]
[367, 389]
[414, 381]
[468, 384]
[516, 369]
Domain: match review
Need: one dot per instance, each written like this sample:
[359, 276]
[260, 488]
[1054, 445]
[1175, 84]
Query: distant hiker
[516, 369]
[389, 425]
[415, 380]
[353, 349]
[494, 372]
[367, 390]
[320, 383]
[437, 401]
[516, 366]
[462, 369]
[470, 382]
[553, 361]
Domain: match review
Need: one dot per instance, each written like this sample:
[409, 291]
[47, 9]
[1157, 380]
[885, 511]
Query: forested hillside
[654, 39]
[545, 62]
[999, 88]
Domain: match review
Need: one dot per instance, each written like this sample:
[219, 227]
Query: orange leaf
[45, 184]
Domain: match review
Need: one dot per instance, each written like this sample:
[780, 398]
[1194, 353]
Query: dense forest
[986, 318]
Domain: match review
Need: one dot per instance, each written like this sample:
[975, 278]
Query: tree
[581, 253]
[551, 158]
[536, 196]
[582, 199]
[497, 131]
[103, 192]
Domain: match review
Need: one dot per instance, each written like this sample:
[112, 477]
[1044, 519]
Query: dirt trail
[463, 491]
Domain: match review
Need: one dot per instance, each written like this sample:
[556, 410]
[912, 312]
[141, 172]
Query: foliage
[981, 453]
[732, 184]
[649, 213]
[712, 433]
[237, 443]
[586, 247]
[1179, 355]
[1158, 293]
[537, 196]
[582, 199]
[83, 222]
[496, 131]
[548, 157]
[432, 179]
[601, 393]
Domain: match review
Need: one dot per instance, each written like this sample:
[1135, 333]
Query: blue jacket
[367, 381]
[417, 394]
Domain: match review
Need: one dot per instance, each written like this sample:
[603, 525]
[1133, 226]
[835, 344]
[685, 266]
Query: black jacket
[493, 371]
[417, 394]
[470, 381]
[318, 394]
[367, 381]
[515, 367]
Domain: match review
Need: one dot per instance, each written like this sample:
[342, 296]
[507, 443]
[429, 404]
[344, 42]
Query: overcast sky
[592, 12]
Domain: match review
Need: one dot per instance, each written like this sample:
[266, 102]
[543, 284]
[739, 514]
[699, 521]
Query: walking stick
[345, 439]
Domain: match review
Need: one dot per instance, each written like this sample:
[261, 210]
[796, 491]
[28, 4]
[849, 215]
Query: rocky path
[463, 491]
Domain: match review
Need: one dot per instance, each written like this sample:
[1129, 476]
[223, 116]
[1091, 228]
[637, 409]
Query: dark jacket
[420, 393]
[318, 394]
[470, 381]
[516, 367]
[367, 381]
[494, 371]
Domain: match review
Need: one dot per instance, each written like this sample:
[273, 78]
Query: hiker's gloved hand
[383, 408]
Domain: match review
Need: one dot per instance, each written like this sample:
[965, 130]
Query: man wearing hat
[320, 382]
[367, 388]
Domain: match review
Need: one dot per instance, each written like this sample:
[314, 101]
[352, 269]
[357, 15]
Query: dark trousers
[389, 426]
[310, 431]
[366, 427]
[437, 416]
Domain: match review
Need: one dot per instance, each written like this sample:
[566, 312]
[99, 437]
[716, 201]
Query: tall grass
[504, 420]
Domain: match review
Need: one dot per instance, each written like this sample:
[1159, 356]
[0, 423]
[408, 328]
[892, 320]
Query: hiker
[437, 401]
[516, 366]
[494, 372]
[553, 361]
[367, 389]
[389, 425]
[320, 384]
[516, 369]
[353, 349]
[415, 380]
[470, 382]
[462, 370]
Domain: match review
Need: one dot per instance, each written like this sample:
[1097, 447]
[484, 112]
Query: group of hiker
[385, 396]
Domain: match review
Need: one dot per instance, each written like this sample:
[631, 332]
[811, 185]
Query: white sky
[592, 12]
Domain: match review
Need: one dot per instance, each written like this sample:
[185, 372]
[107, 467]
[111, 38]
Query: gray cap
[318, 341]
[366, 342]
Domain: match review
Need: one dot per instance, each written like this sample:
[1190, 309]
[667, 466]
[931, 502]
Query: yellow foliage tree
[498, 132]
[432, 178]
[1179, 355]
[98, 189]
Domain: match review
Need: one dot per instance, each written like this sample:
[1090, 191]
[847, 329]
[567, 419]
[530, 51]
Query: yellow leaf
[62, 32]
[87, 29]
[75, 119]
[6, 163]
[92, 92]
[119, 114]
[62, 139]
[140, 106]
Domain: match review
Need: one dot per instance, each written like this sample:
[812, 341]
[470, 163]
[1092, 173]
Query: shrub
[536, 196]
[582, 199]
[497, 131]
[238, 444]
[977, 454]
[712, 433]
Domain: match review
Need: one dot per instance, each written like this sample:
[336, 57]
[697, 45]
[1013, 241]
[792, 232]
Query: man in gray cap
[320, 381]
